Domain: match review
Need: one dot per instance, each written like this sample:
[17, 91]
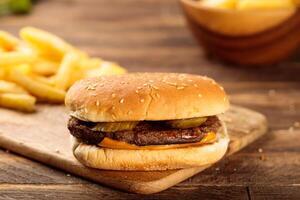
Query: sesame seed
[137, 91]
[182, 76]
[183, 84]
[195, 85]
[113, 107]
[139, 88]
[97, 103]
[180, 87]
[85, 110]
[155, 87]
[90, 87]
[222, 88]
[57, 151]
[224, 99]
[199, 95]
[151, 81]
[170, 83]
[145, 84]
[157, 95]
[260, 150]
[142, 100]
[122, 100]
[190, 80]
[113, 95]
[129, 112]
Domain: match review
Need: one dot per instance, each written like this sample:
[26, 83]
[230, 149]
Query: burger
[147, 121]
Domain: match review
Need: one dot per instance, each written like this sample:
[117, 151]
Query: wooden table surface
[151, 35]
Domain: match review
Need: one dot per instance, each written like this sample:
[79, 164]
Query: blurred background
[156, 36]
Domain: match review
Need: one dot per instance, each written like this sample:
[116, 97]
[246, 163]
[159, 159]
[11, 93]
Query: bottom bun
[151, 160]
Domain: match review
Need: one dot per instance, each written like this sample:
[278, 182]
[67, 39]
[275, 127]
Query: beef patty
[145, 133]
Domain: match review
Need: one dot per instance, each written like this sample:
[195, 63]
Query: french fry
[45, 43]
[64, 73]
[106, 68]
[227, 4]
[23, 102]
[90, 63]
[15, 58]
[42, 79]
[24, 68]
[8, 41]
[2, 73]
[264, 4]
[40, 90]
[45, 67]
[9, 87]
[26, 49]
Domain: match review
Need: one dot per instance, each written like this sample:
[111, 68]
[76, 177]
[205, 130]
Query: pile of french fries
[251, 4]
[40, 67]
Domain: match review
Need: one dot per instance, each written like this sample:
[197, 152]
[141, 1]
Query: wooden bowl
[259, 37]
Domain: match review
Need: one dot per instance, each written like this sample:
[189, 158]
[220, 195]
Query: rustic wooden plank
[275, 192]
[93, 191]
[47, 140]
[16, 169]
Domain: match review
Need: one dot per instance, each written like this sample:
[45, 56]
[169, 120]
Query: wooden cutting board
[43, 136]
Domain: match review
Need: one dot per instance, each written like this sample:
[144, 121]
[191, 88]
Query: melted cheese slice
[114, 144]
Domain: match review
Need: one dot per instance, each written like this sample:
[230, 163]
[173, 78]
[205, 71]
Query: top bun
[145, 96]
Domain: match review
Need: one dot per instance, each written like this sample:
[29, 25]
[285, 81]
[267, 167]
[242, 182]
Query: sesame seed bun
[145, 96]
[151, 160]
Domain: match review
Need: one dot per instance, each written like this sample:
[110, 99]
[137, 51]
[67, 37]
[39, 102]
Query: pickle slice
[187, 123]
[114, 126]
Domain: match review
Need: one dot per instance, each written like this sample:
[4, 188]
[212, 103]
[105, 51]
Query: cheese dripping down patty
[114, 144]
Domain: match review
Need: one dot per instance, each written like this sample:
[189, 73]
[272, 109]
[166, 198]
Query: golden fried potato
[40, 90]
[24, 68]
[65, 71]
[15, 58]
[7, 41]
[264, 4]
[45, 67]
[23, 102]
[2, 73]
[45, 43]
[227, 4]
[90, 63]
[46, 80]
[10, 87]
[106, 68]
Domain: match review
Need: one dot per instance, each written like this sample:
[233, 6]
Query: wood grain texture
[43, 136]
[151, 35]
